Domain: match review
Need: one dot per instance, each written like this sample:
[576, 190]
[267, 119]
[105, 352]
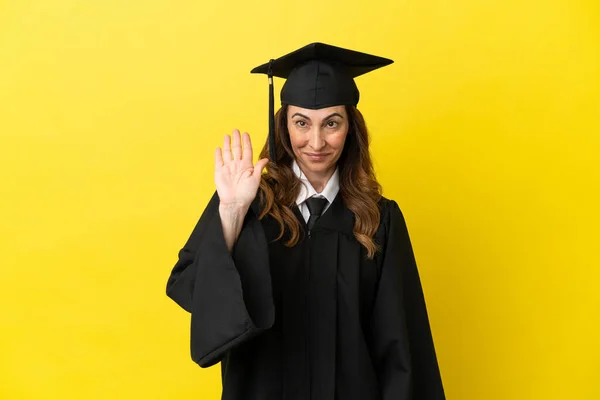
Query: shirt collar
[306, 190]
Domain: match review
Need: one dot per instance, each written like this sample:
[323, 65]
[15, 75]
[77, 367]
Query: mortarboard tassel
[272, 155]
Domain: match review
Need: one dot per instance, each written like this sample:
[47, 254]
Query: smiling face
[317, 138]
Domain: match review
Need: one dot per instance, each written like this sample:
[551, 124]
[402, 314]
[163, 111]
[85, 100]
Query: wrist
[233, 208]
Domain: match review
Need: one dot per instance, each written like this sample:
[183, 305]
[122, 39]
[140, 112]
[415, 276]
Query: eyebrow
[330, 116]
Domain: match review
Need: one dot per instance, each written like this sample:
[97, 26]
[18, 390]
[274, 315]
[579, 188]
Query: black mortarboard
[317, 76]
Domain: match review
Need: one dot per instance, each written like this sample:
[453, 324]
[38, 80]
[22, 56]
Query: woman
[302, 281]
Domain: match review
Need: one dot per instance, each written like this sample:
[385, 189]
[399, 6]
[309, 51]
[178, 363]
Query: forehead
[320, 113]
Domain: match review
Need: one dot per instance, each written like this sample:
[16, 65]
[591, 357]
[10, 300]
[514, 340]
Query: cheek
[297, 139]
[337, 140]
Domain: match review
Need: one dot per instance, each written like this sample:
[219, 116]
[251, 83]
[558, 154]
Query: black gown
[318, 321]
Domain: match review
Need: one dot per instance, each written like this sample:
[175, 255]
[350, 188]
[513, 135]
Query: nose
[316, 141]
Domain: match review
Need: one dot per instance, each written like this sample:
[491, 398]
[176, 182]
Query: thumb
[258, 168]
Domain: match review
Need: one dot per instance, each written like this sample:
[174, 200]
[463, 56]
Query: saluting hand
[236, 178]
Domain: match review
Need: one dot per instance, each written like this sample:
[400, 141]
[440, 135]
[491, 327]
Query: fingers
[258, 168]
[237, 145]
[232, 148]
[218, 158]
[226, 149]
[247, 148]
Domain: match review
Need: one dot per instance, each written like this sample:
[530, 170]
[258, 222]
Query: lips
[316, 157]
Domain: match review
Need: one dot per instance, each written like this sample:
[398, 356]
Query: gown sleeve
[404, 353]
[229, 295]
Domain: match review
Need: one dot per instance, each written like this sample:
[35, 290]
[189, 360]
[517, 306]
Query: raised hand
[236, 178]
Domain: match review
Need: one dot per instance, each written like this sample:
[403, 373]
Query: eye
[332, 124]
[300, 123]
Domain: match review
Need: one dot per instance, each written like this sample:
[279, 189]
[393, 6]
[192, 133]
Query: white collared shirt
[306, 191]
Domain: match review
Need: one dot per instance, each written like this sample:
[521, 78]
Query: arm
[232, 219]
[227, 290]
[404, 352]
[229, 294]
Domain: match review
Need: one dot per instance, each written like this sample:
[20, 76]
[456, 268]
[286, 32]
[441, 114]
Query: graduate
[300, 279]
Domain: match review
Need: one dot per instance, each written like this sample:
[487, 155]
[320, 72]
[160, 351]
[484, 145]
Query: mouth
[316, 156]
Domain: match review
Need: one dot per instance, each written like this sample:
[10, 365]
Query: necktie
[315, 207]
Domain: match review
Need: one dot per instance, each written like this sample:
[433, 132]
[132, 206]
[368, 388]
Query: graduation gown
[318, 321]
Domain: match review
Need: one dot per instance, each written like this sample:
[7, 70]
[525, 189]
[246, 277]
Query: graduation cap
[317, 75]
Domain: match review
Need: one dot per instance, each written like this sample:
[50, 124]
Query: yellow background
[485, 130]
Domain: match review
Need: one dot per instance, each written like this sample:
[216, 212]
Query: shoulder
[391, 215]
[385, 202]
[388, 208]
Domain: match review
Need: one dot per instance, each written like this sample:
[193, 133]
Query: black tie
[315, 206]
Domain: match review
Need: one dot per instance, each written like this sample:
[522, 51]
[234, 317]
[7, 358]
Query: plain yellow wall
[485, 130]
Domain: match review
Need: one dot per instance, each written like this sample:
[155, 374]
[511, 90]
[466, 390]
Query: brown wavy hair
[360, 191]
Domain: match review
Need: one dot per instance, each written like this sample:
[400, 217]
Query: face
[317, 137]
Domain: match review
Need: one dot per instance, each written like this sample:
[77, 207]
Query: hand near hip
[236, 178]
